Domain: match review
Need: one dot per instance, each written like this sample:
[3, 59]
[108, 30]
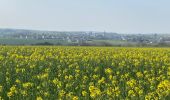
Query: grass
[12, 41]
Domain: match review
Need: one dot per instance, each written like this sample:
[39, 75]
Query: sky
[123, 16]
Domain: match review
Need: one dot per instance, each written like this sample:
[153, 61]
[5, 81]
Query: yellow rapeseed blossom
[75, 98]
[1, 88]
[94, 91]
[108, 71]
[27, 85]
[66, 73]
[163, 89]
[84, 93]
[39, 98]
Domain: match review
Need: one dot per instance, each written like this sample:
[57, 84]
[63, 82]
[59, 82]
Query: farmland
[83, 73]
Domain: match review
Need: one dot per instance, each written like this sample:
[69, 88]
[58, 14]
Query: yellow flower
[39, 98]
[62, 93]
[131, 93]
[95, 76]
[17, 81]
[140, 92]
[139, 74]
[108, 71]
[110, 77]
[55, 81]
[75, 98]
[17, 70]
[1, 98]
[163, 89]
[42, 76]
[1, 88]
[131, 83]
[84, 93]
[94, 91]
[70, 77]
[9, 94]
[102, 80]
[116, 91]
[13, 90]
[109, 91]
[27, 85]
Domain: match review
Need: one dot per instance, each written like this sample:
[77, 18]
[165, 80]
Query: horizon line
[48, 30]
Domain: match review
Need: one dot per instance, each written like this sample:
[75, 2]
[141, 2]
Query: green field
[112, 42]
[12, 41]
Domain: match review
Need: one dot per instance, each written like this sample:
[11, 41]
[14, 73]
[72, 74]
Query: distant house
[166, 40]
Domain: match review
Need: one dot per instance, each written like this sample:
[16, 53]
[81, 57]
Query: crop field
[84, 73]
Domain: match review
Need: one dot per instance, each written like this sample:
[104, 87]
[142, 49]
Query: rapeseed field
[84, 73]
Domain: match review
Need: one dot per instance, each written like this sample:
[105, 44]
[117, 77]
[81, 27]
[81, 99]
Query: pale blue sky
[87, 15]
